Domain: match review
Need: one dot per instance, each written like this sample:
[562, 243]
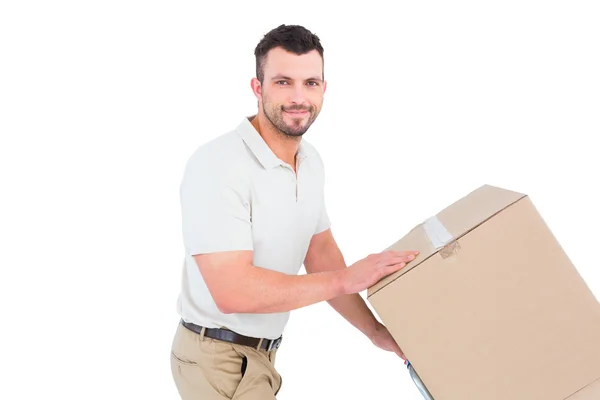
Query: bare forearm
[266, 291]
[353, 308]
[328, 257]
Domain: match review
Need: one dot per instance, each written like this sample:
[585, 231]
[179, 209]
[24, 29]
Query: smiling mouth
[296, 112]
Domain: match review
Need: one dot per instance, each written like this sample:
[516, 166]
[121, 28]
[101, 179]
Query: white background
[101, 103]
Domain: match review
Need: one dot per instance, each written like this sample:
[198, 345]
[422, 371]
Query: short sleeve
[215, 209]
[323, 223]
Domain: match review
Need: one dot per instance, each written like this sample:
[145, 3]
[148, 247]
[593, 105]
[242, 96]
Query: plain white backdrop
[101, 104]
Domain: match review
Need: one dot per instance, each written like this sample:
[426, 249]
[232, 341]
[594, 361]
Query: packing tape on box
[440, 238]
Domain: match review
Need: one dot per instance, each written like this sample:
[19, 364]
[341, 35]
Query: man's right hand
[371, 269]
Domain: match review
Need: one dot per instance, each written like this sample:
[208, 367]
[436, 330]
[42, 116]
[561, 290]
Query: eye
[281, 83]
[313, 83]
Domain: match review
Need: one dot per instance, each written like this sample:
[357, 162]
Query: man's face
[292, 90]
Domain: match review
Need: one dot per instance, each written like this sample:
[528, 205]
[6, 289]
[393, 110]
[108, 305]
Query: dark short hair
[293, 38]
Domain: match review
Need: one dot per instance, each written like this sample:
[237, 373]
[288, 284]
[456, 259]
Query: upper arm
[215, 207]
[221, 270]
[216, 223]
[323, 253]
[323, 221]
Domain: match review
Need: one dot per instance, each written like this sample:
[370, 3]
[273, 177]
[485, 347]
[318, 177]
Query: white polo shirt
[236, 194]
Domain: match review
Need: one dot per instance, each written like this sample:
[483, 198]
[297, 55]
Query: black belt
[233, 337]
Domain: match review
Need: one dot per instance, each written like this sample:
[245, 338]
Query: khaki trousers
[210, 369]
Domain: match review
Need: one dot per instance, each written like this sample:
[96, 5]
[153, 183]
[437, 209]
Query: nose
[299, 95]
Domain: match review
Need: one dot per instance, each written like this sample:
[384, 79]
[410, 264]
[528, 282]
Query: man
[253, 212]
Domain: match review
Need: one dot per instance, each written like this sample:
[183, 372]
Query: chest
[284, 202]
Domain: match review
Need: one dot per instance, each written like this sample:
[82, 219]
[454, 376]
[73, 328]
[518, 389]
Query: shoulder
[221, 150]
[222, 159]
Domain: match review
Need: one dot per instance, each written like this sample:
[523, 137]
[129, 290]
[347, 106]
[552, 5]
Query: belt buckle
[275, 343]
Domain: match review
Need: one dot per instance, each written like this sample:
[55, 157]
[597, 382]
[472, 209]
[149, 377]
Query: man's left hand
[382, 338]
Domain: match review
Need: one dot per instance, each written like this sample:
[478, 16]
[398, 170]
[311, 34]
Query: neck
[285, 147]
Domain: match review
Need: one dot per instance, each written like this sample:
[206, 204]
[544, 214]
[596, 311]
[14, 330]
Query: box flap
[438, 233]
[589, 392]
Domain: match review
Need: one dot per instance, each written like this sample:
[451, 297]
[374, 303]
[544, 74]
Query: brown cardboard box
[492, 308]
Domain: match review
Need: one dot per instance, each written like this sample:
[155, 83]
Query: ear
[324, 86]
[256, 88]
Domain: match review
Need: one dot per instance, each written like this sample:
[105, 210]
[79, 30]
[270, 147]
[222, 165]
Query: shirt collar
[261, 149]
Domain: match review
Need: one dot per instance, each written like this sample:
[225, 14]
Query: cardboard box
[492, 308]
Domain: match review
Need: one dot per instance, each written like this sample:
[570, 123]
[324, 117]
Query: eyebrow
[277, 77]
